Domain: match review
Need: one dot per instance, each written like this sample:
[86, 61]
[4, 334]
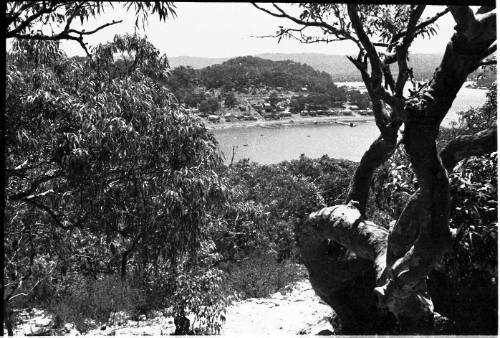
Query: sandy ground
[295, 311]
[298, 311]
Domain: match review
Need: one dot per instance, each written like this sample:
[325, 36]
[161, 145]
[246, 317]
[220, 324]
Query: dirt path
[297, 311]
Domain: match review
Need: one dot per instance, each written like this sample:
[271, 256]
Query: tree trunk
[123, 270]
[351, 260]
[8, 319]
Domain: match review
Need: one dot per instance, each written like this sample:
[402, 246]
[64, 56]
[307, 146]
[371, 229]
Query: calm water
[275, 145]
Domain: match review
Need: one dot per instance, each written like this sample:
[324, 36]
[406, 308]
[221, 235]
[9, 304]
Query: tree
[230, 100]
[84, 187]
[385, 277]
[362, 100]
[209, 105]
[464, 286]
[98, 181]
[274, 98]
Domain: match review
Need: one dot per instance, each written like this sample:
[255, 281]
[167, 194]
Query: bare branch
[402, 49]
[65, 35]
[339, 33]
[303, 38]
[375, 63]
[114, 22]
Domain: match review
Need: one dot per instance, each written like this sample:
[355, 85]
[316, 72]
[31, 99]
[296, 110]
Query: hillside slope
[338, 66]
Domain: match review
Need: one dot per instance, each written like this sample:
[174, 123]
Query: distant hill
[194, 61]
[338, 66]
[246, 71]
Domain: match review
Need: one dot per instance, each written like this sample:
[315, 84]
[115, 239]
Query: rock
[324, 333]
[68, 327]
[43, 322]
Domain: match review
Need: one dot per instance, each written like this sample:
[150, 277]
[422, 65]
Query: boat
[350, 124]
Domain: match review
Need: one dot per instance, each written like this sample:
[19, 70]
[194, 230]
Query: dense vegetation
[244, 72]
[252, 75]
[89, 194]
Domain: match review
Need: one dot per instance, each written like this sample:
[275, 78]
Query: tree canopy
[105, 171]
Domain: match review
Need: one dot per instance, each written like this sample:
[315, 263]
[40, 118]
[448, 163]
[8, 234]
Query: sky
[230, 29]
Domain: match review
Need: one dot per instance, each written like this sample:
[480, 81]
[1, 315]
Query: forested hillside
[248, 71]
[254, 76]
[338, 66]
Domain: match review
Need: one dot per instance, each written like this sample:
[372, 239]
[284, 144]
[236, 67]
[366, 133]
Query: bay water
[273, 145]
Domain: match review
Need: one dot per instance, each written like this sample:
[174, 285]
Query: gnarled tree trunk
[369, 274]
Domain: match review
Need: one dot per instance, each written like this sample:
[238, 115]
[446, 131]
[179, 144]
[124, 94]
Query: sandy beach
[291, 121]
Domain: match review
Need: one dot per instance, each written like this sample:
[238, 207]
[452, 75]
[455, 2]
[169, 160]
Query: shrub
[261, 275]
[81, 298]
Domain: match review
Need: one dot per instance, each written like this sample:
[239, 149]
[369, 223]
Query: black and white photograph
[249, 169]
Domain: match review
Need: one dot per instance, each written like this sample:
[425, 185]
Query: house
[214, 118]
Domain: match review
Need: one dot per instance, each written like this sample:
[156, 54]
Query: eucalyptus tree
[103, 169]
[377, 274]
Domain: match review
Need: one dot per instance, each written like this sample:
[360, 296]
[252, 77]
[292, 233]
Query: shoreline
[289, 122]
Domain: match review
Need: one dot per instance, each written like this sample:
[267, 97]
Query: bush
[261, 275]
[81, 298]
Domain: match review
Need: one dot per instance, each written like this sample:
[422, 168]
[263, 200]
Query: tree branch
[423, 24]
[321, 24]
[487, 63]
[29, 20]
[380, 150]
[402, 49]
[375, 62]
[483, 142]
[34, 185]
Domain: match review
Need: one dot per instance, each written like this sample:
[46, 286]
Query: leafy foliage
[362, 100]
[104, 170]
